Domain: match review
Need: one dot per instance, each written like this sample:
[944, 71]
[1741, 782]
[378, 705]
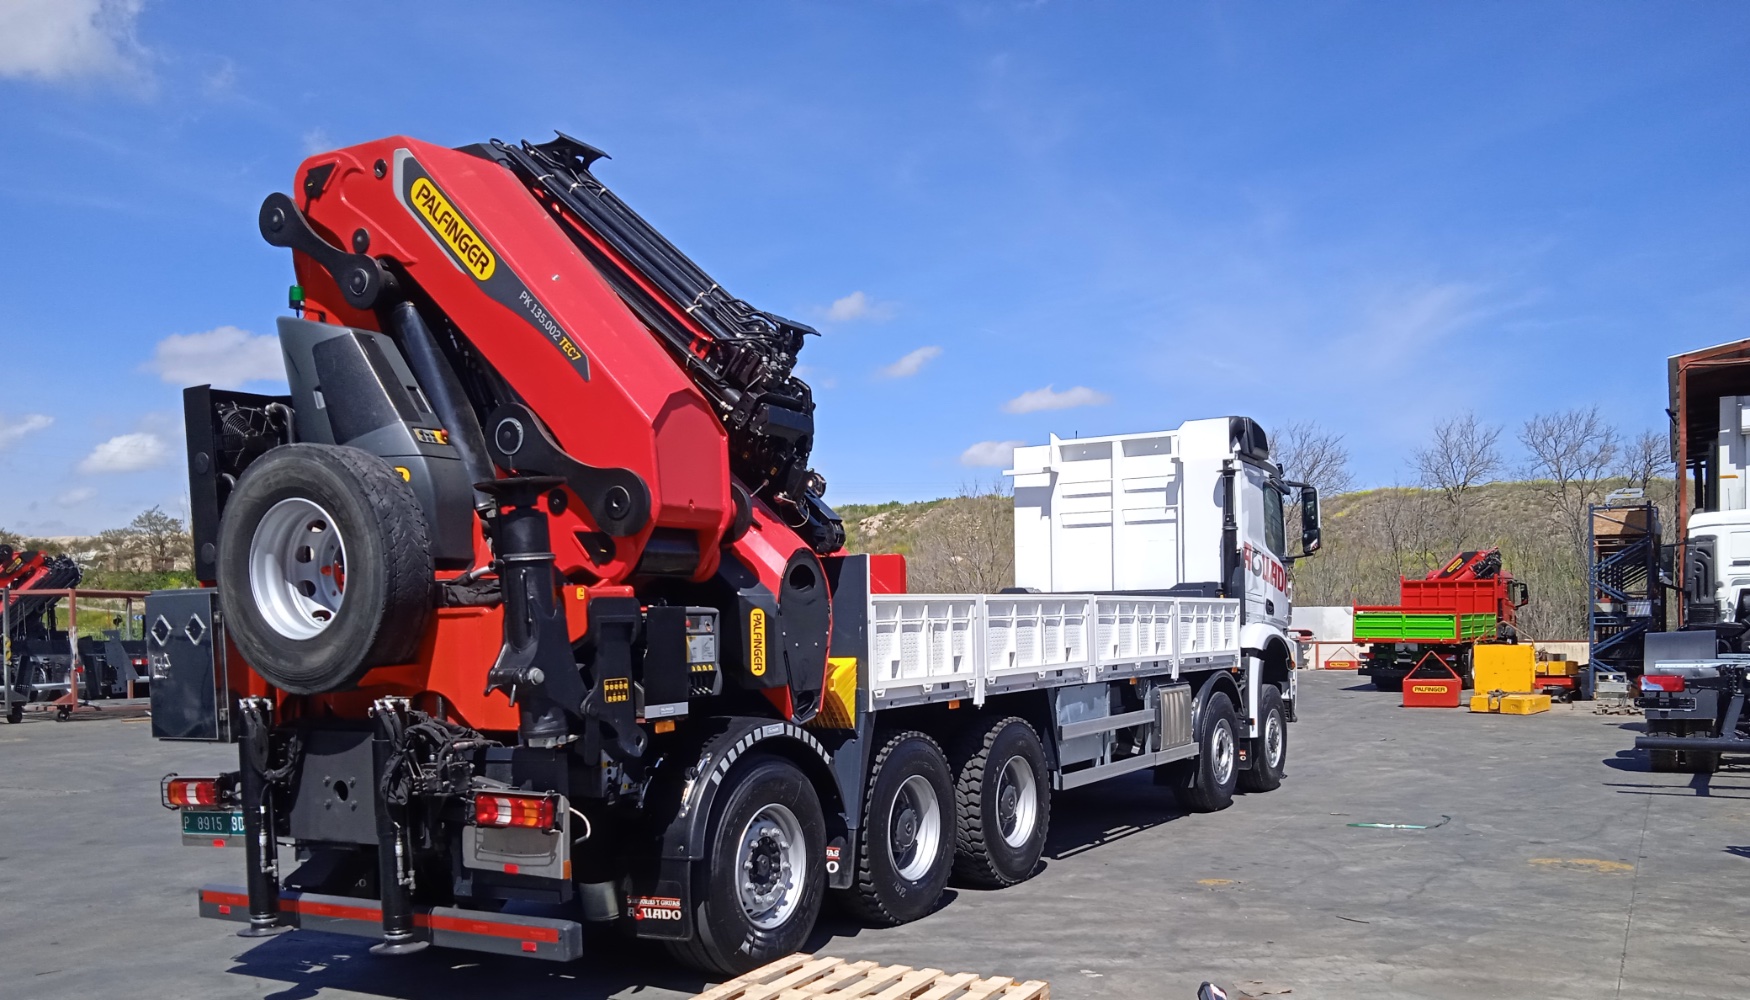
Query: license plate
[204, 826]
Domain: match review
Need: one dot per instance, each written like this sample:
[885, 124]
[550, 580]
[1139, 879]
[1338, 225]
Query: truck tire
[764, 874]
[1270, 748]
[1388, 683]
[1002, 800]
[905, 850]
[324, 567]
[1209, 781]
[1663, 761]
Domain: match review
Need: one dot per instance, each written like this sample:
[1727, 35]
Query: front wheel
[905, 849]
[1211, 778]
[764, 877]
[1270, 748]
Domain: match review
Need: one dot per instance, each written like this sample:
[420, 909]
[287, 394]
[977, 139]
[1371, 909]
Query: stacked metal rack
[1624, 577]
[55, 667]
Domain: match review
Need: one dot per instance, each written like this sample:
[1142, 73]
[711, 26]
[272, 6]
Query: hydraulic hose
[448, 400]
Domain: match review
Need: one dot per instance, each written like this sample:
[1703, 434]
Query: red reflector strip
[531, 937]
[460, 925]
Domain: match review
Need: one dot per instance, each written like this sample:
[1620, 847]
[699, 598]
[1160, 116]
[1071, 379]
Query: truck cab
[1200, 510]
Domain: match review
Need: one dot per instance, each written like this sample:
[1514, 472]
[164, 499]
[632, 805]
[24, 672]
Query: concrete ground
[1556, 866]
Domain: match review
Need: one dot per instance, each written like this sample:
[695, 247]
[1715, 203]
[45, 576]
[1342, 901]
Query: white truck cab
[1198, 510]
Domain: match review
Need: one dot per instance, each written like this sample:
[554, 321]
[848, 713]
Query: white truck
[526, 594]
[1193, 512]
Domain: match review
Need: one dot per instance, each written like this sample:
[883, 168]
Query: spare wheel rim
[297, 568]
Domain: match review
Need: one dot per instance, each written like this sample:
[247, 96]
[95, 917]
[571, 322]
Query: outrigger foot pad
[406, 947]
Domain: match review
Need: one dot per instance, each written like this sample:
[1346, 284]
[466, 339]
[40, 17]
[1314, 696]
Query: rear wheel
[1003, 802]
[1209, 781]
[1270, 748]
[1387, 683]
[325, 567]
[15, 714]
[764, 876]
[905, 849]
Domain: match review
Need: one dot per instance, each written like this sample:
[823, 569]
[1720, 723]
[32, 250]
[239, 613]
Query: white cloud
[317, 140]
[59, 40]
[990, 454]
[76, 496]
[14, 431]
[912, 363]
[856, 306]
[226, 357]
[127, 453]
[1049, 398]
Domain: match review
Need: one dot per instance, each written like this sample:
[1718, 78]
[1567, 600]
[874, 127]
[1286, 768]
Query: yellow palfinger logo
[756, 652]
[452, 229]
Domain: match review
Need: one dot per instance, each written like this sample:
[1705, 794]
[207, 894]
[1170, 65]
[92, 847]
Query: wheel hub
[1223, 745]
[914, 828]
[772, 860]
[1017, 801]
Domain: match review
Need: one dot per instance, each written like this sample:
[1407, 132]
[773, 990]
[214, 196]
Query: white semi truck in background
[1696, 676]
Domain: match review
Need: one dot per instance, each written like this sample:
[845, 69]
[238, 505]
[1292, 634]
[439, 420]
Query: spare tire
[324, 568]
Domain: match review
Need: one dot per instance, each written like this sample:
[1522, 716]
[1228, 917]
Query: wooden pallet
[804, 977]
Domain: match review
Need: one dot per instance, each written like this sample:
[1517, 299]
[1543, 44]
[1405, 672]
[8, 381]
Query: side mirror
[1210, 991]
[1520, 595]
[1310, 536]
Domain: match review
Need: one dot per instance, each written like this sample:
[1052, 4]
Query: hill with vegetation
[1372, 537]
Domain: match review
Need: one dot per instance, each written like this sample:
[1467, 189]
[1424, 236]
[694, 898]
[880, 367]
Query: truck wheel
[1003, 804]
[1211, 778]
[905, 849]
[15, 714]
[1663, 761]
[1270, 749]
[325, 567]
[764, 874]
[1388, 683]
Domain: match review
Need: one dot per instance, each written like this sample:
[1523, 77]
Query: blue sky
[1008, 218]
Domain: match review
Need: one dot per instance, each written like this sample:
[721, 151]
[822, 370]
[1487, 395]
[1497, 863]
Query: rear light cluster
[178, 792]
[1661, 682]
[504, 809]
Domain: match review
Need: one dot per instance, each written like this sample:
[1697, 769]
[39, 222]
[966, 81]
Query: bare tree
[118, 550]
[1645, 460]
[1308, 453]
[161, 538]
[966, 545]
[1572, 457]
[1464, 455]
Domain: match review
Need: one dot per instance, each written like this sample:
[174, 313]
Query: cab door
[1263, 547]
